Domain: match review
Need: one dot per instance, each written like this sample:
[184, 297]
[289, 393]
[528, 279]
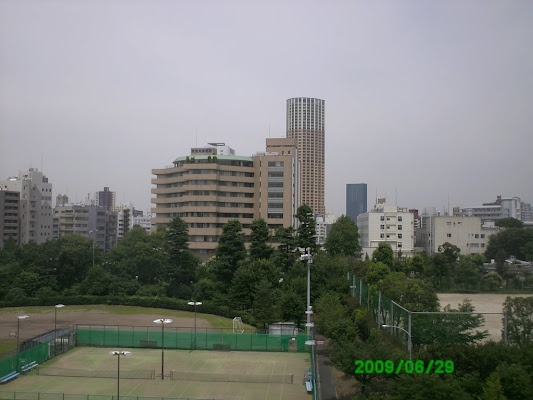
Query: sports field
[188, 374]
[489, 303]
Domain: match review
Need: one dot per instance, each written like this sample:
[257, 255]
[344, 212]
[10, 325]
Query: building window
[400, 218]
[382, 235]
[399, 244]
[400, 236]
[382, 227]
[449, 235]
[476, 235]
[482, 236]
[399, 227]
[382, 218]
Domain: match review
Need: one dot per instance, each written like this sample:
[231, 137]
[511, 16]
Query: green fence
[38, 349]
[4, 395]
[186, 338]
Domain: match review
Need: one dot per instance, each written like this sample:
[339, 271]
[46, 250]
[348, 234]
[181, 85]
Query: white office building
[386, 224]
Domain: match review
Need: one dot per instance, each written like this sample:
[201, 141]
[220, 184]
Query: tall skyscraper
[356, 200]
[305, 123]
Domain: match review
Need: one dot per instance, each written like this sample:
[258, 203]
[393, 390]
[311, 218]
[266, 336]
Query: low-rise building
[467, 233]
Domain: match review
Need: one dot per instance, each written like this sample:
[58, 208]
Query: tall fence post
[379, 310]
[505, 327]
[361, 292]
[409, 343]
[391, 317]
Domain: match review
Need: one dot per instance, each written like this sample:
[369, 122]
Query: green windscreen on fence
[150, 337]
[38, 354]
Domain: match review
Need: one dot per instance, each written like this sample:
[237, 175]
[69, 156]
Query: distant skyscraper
[305, 123]
[105, 199]
[356, 200]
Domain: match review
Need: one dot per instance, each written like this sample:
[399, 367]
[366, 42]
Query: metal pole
[308, 296]
[162, 351]
[409, 343]
[55, 330]
[195, 325]
[118, 378]
[379, 308]
[505, 327]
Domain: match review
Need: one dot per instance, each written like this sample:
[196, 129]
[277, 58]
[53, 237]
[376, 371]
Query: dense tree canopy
[343, 239]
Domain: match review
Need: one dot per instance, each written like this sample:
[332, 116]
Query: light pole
[163, 322]
[194, 303]
[55, 325]
[18, 336]
[408, 338]
[119, 353]
[309, 260]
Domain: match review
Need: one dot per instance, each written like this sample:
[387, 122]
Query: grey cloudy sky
[425, 100]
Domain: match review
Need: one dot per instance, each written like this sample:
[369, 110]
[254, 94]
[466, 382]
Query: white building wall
[36, 214]
[464, 232]
[387, 224]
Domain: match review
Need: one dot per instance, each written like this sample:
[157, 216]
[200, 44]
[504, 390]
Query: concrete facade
[464, 232]
[386, 224]
[35, 212]
[306, 124]
[208, 192]
[9, 216]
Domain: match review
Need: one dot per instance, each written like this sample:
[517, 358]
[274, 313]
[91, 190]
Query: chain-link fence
[186, 339]
[417, 328]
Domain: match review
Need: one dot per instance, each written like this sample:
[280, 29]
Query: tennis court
[188, 374]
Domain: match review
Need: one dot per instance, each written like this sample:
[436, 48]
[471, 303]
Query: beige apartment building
[208, 190]
[465, 232]
[305, 123]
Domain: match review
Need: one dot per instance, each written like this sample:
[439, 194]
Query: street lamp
[408, 338]
[309, 260]
[194, 303]
[119, 353]
[55, 325]
[163, 322]
[18, 336]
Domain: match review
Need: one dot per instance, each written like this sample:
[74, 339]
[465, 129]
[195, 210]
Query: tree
[182, 264]
[306, 229]
[230, 251]
[413, 294]
[467, 273]
[509, 223]
[519, 319]
[449, 329]
[376, 271]
[285, 255]
[259, 247]
[343, 239]
[266, 303]
[493, 280]
[384, 254]
[515, 381]
[509, 242]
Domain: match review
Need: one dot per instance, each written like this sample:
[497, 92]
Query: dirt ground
[41, 321]
[482, 303]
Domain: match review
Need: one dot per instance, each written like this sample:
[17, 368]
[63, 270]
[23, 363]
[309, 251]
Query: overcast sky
[428, 102]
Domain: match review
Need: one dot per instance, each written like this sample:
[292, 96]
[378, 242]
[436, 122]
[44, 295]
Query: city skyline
[428, 103]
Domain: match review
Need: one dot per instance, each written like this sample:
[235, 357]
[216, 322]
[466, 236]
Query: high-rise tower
[356, 197]
[305, 123]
